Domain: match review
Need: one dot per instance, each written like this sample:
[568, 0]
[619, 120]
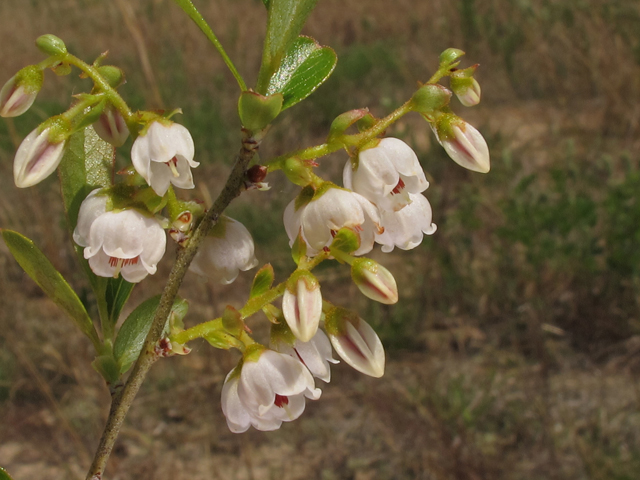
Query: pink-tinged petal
[118, 234]
[302, 308]
[316, 355]
[238, 418]
[111, 127]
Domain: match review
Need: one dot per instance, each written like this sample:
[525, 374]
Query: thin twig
[122, 401]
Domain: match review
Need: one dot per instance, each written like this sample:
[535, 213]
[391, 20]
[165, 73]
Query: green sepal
[107, 366]
[135, 328]
[304, 197]
[258, 111]
[89, 117]
[345, 241]
[305, 67]
[232, 321]
[344, 121]
[298, 171]
[263, 281]
[4, 475]
[41, 270]
[298, 249]
[285, 20]
[222, 340]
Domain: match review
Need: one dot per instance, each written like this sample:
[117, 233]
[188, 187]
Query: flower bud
[36, 158]
[113, 75]
[466, 88]
[450, 56]
[111, 127]
[298, 171]
[302, 305]
[51, 45]
[463, 143]
[257, 111]
[19, 93]
[429, 98]
[374, 281]
[355, 341]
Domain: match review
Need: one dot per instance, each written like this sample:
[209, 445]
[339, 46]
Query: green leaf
[285, 20]
[4, 475]
[305, 67]
[135, 328]
[257, 111]
[116, 294]
[86, 165]
[262, 281]
[266, 3]
[40, 269]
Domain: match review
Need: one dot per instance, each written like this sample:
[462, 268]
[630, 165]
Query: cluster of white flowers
[382, 202]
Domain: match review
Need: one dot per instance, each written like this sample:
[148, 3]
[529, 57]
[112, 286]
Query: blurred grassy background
[514, 352]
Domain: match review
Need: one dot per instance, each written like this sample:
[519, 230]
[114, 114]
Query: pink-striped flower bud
[37, 158]
[111, 127]
[466, 88]
[355, 341]
[374, 281]
[302, 305]
[463, 143]
[19, 93]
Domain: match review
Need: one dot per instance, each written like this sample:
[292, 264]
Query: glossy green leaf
[85, 166]
[305, 67]
[42, 271]
[4, 475]
[284, 23]
[135, 328]
[262, 281]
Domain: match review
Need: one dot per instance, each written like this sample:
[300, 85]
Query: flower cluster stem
[123, 398]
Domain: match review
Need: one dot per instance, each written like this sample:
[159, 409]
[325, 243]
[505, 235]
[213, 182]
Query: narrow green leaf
[305, 67]
[262, 281]
[41, 270]
[284, 23]
[116, 294]
[4, 475]
[135, 328]
[266, 3]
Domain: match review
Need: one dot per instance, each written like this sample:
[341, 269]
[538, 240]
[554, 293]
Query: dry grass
[506, 361]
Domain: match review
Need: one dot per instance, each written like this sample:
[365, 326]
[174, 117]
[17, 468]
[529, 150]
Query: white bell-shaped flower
[316, 354]
[227, 249]
[302, 305]
[355, 342]
[118, 242]
[329, 211]
[36, 158]
[405, 228]
[164, 155]
[269, 388]
[465, 145]
[386, 174]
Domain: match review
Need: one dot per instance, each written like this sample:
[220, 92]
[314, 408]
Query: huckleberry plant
[118, 222]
